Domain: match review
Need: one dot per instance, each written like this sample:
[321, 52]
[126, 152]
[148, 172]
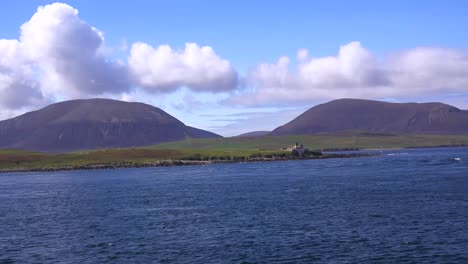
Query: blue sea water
[404, 206]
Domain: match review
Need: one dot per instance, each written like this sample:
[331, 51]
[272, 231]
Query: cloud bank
[356, 72]
[59, 56]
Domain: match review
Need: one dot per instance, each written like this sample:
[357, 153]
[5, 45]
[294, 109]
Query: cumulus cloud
[57, 55]
[163, 69]
[60, 56]
[427, 70]
[68, 52]
[356, 72]
[18, 88]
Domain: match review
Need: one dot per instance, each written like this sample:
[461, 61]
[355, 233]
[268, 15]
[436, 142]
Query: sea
[400, 206]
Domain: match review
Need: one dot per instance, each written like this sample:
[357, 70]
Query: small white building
[299, 148]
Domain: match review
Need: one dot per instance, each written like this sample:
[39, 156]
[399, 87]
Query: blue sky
[249, 34]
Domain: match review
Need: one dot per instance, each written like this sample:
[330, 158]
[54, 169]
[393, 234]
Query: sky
[232, 66]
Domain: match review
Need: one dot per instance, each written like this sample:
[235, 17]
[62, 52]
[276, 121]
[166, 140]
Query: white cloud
[68, 52]
[356, 72]
[18, 88]
[163, 69]
[426, 70]
[57, 56]
[60, 56]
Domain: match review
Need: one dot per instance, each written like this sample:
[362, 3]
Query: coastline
[395, 148]
[167, 163]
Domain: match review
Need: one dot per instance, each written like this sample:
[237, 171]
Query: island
[25, 161]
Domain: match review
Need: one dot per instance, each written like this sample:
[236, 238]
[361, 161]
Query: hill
[375, 116]
[92, 124]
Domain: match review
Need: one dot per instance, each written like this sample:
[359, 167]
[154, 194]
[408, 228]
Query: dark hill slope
[376, 116]
[91, 124]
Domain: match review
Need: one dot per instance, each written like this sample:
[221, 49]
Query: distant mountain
[92, 124]
[376, 116]
[254, 134]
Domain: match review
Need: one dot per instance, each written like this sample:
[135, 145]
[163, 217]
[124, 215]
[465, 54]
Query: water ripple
[409, 207]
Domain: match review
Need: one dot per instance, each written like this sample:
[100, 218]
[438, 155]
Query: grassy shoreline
[166, 163]
[208, 151]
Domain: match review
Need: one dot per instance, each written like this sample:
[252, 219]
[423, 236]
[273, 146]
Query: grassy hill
[376, 116]
[93, 124]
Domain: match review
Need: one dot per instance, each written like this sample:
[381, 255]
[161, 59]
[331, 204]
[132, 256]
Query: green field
[23, 160]
[220, 149]
[320, 142]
